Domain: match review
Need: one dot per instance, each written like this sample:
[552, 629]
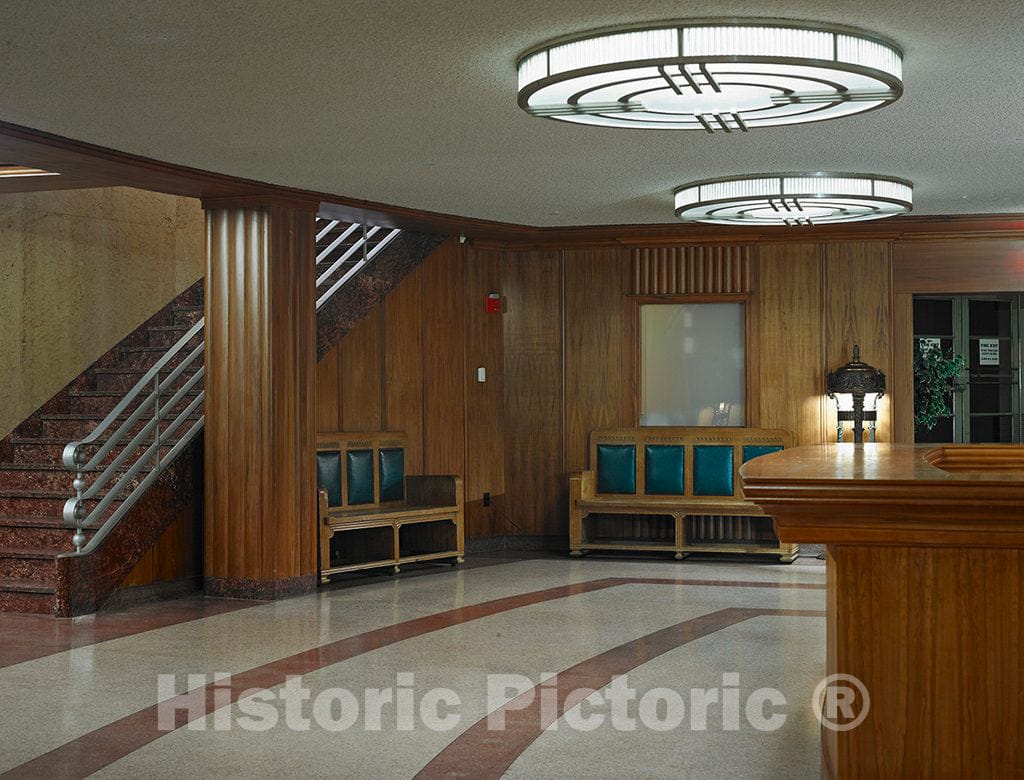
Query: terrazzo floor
[535, 668]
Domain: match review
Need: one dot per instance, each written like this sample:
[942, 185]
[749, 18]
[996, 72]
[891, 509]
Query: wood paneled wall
[558, 356]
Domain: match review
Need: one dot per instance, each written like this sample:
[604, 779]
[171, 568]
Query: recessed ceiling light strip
[19, 171]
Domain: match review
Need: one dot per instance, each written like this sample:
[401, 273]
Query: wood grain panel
[958, 266]
[485, 412]
[536, 480]
[328, 393]
[901, 380]
[403, 366]
[693, 270]
[361, 374]
[260, 399]
[858, 310]
[594, 354]
[444, 434]
[939, 682]
[789, 308]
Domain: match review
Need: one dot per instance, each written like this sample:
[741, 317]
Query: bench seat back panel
[328, 475]
[664, 470]
[391, 467]
[688, 462]
[359, 471]
[712, 470]
[616, 468]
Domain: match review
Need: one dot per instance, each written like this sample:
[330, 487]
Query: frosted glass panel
[693, 364]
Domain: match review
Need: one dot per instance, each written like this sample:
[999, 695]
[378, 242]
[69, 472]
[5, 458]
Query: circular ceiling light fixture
[713, 74]
[794, 199]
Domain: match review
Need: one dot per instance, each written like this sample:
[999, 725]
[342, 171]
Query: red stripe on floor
[483, 752]
[97, 749]
[27, 637]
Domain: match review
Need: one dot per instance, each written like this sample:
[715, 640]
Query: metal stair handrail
[149, 397]
[358, 266]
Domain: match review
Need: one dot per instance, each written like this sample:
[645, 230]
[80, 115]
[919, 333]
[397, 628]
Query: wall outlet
[487, 499]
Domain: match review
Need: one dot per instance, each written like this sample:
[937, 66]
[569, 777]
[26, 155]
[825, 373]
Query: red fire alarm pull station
[494, 303]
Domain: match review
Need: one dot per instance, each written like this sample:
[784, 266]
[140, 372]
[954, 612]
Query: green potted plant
[937, 376]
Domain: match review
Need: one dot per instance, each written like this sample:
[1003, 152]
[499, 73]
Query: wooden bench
[673, 489]
[372, 515]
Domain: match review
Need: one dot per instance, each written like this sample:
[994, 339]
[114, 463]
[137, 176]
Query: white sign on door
[927, 344]
[988, 352]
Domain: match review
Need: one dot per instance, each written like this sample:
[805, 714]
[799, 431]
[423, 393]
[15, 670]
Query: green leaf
[937, 376]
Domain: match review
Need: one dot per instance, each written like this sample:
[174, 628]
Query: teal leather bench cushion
[616, 468]
[663, 469]
[712, 470]
[328, 475]
[751, 451]
[359, 470]
[392, 473]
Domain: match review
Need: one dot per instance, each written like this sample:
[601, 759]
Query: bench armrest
[434, 490]
[581, 485]
[321, 504]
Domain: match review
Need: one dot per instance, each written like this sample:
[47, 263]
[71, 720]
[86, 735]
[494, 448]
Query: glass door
[986, 330]
[992, 397]
[936, 321]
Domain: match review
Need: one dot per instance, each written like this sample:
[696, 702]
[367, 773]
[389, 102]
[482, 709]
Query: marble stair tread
[114, 395]
[34, 552]
[44, 503]
[167, 328]
[27, 586]
[42, 532]
[158, 350]
[53, 476]
[32, 521]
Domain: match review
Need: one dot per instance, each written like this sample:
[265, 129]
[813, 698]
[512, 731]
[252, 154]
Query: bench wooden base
[677, 537]
[383, 540]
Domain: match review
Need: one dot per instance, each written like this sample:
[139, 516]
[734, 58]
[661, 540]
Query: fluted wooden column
[260, 483]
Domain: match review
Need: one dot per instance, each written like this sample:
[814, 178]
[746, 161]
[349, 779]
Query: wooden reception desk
[925, 597]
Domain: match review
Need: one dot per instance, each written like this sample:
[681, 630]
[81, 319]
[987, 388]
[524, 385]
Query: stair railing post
[156, 417]
[78, 538]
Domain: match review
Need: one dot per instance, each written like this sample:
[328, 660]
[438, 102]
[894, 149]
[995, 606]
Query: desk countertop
[893, 493]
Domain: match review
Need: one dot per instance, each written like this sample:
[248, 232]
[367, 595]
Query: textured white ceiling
[413, 103]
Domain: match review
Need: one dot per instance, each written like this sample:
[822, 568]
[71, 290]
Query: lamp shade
[856, 378]
[856, 387]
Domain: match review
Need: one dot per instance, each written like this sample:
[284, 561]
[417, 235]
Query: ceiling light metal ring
[861, 70]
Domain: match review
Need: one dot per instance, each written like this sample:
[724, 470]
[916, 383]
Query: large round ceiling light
[794, 199]
[729, 75]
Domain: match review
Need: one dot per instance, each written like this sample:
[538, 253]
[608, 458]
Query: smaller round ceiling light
[794, 199]
[728, 75]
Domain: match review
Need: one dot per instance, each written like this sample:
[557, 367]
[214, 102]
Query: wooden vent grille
[724, 529]
[693, 270]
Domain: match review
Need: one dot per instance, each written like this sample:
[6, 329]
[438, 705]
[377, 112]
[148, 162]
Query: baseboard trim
[133, 595]
[259, 590]
[519, 543]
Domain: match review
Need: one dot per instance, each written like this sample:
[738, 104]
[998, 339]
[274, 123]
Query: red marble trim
[97, 749]
[724, 583]
[27, 637]
[259, 590]
[483, 753]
